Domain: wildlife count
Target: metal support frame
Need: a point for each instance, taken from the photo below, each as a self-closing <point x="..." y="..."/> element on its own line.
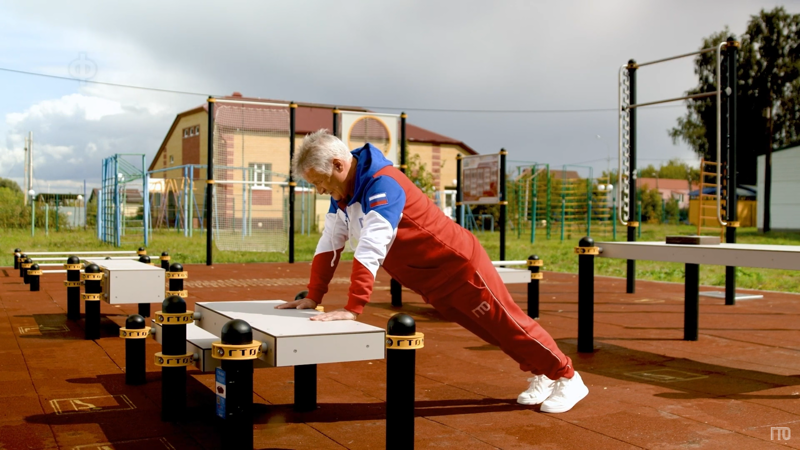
<point x="626" y="194"/>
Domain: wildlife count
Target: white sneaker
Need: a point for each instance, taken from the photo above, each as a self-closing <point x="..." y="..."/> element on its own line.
<point x="566" y="393"/>
<point x="541" y="387"/>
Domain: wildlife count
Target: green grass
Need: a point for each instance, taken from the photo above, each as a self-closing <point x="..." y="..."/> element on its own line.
<point x="557" y="256"/>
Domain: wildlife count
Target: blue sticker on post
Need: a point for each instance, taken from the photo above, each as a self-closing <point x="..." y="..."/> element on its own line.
<point x="220" y="390"/>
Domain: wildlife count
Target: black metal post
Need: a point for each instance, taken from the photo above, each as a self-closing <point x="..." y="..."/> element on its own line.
<point x="144" y="308"/>
<point x="134" y="334"/>
<point x="395" y="288"/>
<point x="534" y="264"/>
<point x="210" y="181"/>
<point x="26" y="265"/>
<point x="305" y="387"/>
<point x="336" y="114"/>
<point x="173" y="356"/>
<point x="586" y="252"/>
<point x="164" y="261"/>
<point x="93" y="293"/>
<point x="176" y="275"/>
<point x="16" y="258"/>
<point x="33" y="277"/>
<point x="238" y="424"/>
<point x="401" y="357"/>
<point x="22" y="258"/>
<point x="73" y="284"/>
<point x="292" y="115"/>
<point x="503" y="204"/>
<point x="458" y="190"/>
<point x="630" y="286"/>
<point x="731" y="204"/>
<point x="691" y="308"/>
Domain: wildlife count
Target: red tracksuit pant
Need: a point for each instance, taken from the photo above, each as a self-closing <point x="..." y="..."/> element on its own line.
<point x="481" y="304"/>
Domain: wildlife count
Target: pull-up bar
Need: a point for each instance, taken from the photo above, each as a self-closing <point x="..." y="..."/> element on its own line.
<point x="699" y="52"/>
<point x="687" y="97"/>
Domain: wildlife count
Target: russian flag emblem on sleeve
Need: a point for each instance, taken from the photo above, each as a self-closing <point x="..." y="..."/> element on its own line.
<point x="378" y="200"/>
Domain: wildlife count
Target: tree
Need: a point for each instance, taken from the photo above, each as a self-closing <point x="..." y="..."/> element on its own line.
<point x="10" y="184"/>
<point x="769" y="78"/>
<point x="417" y="172"/>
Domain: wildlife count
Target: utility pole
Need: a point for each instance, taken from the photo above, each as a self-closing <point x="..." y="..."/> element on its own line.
<point x="768" y="173"/>
<point x="25" y="176"/>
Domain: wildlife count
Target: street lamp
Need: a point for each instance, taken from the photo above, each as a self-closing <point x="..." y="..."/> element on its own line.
<point x="33" y="210"/>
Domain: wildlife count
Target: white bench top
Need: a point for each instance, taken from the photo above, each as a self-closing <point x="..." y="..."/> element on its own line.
<point x="737" y="255"/>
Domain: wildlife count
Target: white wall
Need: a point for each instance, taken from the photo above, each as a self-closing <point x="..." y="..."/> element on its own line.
<point x="785" y="201"/>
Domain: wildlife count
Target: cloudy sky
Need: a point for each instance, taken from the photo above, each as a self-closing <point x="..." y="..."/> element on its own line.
<point x="388" y="55"/>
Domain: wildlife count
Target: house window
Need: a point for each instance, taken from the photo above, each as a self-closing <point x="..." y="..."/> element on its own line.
<point x="171" y="159"/>
<point x="260" y="174"/>
<point x="186" y="133"/>
<point x="197" y="130"/>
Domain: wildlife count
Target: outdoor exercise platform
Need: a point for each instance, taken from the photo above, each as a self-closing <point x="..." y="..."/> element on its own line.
<point x="785" y="257"/>
<point x="289" y="338"/>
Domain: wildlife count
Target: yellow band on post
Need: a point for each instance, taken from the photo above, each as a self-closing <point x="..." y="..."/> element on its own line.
<point x="70" y="284"/>
<point x="292" y="183"/>
<point x="503" y="202"/>
<point x="209" y="181"/>
<point x="163" y="360"/>
<point x="182" y="294"/>
<point x="91" y="297"/>
<point x="129" y="333"/>
<point x="165" y="258"/>
<point x="91" y="276"/>
<point x="633" y="224"/>
<point x="403" y="166"/>
<point x="537" y="276"/>
<point x="174" y="318"/>
<point x="405" y="342"/>
<point x="141" y="252"/>
<point x="587" y="250"/>
<point x="177" y="275"/>
<point x="503" y="152"/>
<point x="236" y="352"/>
<point x="535" y="262"/>
<point x="730" y="225"/>
<point x="34" y="272"/>
<point x="26" y="265"/>
<point x="78" y="266"/>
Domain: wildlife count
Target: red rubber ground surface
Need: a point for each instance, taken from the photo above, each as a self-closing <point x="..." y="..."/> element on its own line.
<point x="648" y="387"/>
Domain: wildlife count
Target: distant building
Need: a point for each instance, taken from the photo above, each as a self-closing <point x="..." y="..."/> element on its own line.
<point x="186" y="143"/>
<point x="784" y="198"/>
<point x="669" y="189"/>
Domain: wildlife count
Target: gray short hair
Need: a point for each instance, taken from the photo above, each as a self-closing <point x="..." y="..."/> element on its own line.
<point x="317" y="152"/>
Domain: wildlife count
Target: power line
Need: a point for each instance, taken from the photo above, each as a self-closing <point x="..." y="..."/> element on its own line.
<point x="448" y="110"/>
<point x="104" y="83"/>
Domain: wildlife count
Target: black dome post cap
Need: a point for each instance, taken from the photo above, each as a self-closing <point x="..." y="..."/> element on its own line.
<point x="164" y="254"/>
<point x="301" y="295"/>
<point x="144" y="259"/>
<point x="141" y="249"/>
<point x="176" y="267"/>
<point x="108" y="257"/>
<point x="16" y="250"/>
<point x="73" y="260"/>
<point x="631" y="61"/>
<point x="236" y="332"/>
<point x="586" y="242"/>
<point x="401" y="325"/>
<point x="533" y="257"/>
<point x="23" y="255"/>
<point x="28" y="260"/>
<point x="134" y="322"/>
<point x="92" y="268"/>
<point x="173" y="305"/>
<point x="34" y="266"/>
